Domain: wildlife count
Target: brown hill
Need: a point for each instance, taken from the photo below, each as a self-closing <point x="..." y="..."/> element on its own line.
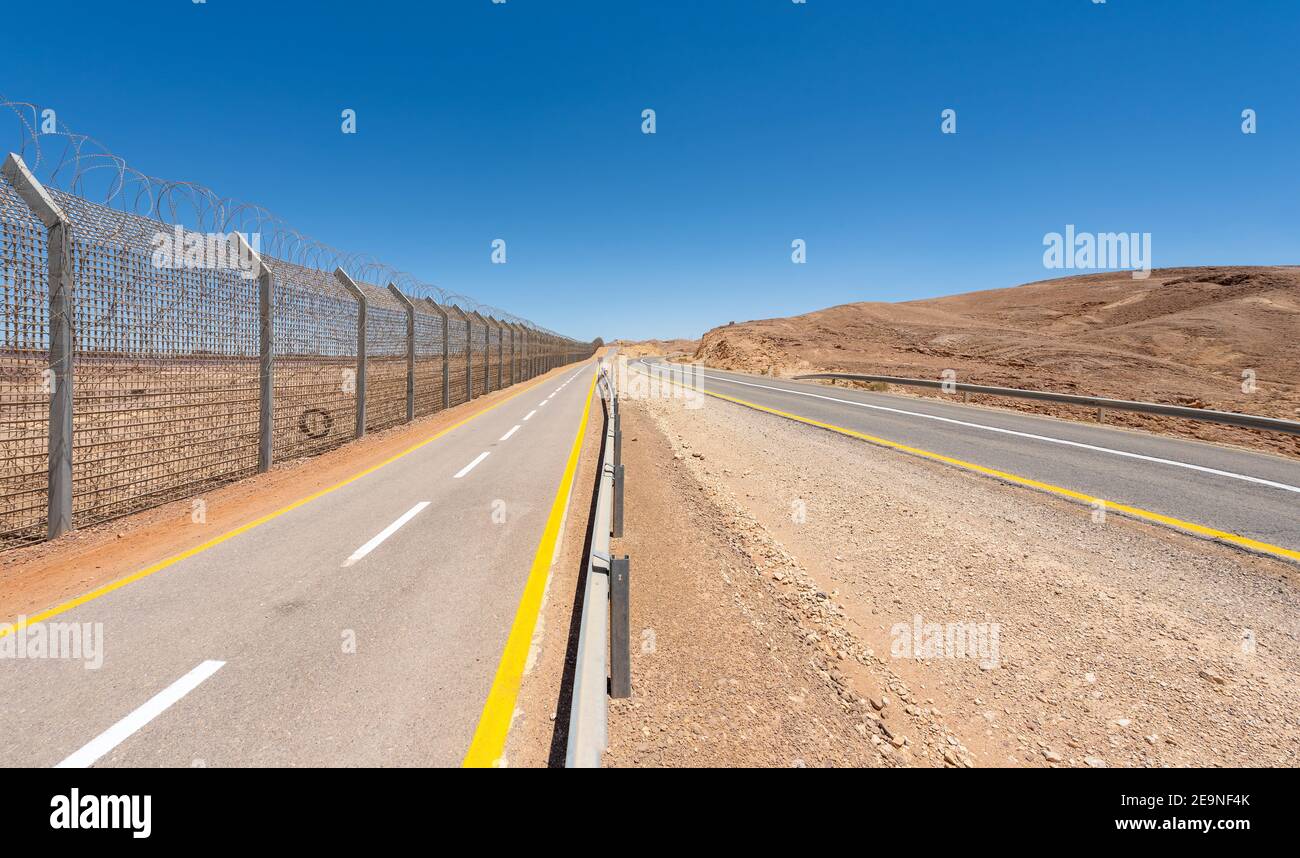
<point x="656" y="348"/>
<point x="1184" y="336"/>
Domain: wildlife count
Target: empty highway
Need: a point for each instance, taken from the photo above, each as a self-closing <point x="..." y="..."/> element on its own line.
<point x="1240" y="497"/>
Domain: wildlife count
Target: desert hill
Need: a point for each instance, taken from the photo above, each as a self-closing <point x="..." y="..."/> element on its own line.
<point x="1184" y="336"/>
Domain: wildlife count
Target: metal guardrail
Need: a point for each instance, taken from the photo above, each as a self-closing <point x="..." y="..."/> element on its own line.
<point x="604" y="625"/>
<point x="1229" y="418"/>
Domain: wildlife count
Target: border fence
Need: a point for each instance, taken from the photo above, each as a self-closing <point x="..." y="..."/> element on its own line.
<point x="125" y="384"/>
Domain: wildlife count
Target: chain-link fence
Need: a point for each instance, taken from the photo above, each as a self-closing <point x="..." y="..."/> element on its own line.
<point x="194" y="361"/>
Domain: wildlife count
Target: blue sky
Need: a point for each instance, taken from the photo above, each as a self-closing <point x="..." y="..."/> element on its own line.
<point x="775" y="121"/>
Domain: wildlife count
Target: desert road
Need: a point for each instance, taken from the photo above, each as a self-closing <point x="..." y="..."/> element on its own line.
<point x="1240" y="497"/>
<point x="363" y="628"/>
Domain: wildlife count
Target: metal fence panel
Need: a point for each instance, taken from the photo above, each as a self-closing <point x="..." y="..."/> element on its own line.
<point x="314" y="337"/>
<point x="165" y="366"/>
<point x="428" y="360"/>
<point x="24" y="357"/>
<point x="459" y="356"/>
<point x="385" y="359"/>
<point x="478" y="345"/>
<point x="494" y="359"/>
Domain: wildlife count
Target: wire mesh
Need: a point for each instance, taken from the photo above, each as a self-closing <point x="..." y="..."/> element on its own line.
<point x="478" y="354"/>
<point x="494" y="357"/>
<point x="165" y="366"/>
<point x="24" y="358"/>
<point x="428" y="360"/>
<point x="385" y="358"/>
<point x="314" y="341"/>
<point x="458" y="347"/>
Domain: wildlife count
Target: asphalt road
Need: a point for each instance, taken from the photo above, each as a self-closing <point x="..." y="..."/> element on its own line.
<point x="249" y="640"/>
<point x="1254" y="495"/>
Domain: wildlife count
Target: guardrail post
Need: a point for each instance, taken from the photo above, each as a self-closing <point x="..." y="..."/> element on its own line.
<point x="351" y="286"/>
<point x="446" y="353"/>
<point x="59" y="378"/>
<point x="410" y="350"/>
<point x="620" y="628"/>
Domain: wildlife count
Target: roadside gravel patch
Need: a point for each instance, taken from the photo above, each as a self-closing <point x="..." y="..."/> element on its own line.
<point x="1118" y="643"/>
<point x="739" y="657"/>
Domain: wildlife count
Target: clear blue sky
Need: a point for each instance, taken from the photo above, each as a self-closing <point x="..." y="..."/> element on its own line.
<point x="776" y="121"/>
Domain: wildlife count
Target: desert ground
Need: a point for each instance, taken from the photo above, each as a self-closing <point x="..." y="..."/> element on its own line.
<point x="767" y="638"/>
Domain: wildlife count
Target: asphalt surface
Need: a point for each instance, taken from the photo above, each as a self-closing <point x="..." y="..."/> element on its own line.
<point x="429" y="610"/>
<point x="1255" y="495"/>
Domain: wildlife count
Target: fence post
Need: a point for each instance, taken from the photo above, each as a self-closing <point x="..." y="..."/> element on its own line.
<point x="351" y="286"/>
<point x="446" y="354"/>
<point x="487" y="352"/>
<point x="265" y="351"/>
<point x="59" y="270"/>
<point x="410" y="350"/>
<point x="501" y="334"/>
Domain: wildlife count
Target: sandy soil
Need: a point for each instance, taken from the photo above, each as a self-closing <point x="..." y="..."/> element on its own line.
<point x="45" y="574"/>
<point x="1199" y="337"/>
<point x="773" y="585"/>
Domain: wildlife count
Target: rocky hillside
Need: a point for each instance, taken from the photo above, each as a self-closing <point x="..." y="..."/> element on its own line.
<point x="1189" y="336"/>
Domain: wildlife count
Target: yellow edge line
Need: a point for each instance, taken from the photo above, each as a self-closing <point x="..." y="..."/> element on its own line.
<point x="489" y="741"/>
<point x="9" y="628"/>
<point x="1135" y="512"/>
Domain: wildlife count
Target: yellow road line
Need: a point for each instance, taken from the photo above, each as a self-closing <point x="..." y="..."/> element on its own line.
<point x="9" y="628"/>
<point x="489" y="741"/>
<point x="1135" y="512"/>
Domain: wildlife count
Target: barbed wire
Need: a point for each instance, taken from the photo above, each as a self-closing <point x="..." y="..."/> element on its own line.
<point x="81" y="165"/>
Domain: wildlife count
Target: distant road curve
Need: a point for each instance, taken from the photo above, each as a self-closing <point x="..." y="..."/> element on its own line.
<point x="1244" y="498"/>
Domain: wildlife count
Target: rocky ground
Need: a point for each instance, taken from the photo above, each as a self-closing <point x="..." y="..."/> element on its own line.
<point x="739" y="657"/>
<point x="767" y="587"/>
